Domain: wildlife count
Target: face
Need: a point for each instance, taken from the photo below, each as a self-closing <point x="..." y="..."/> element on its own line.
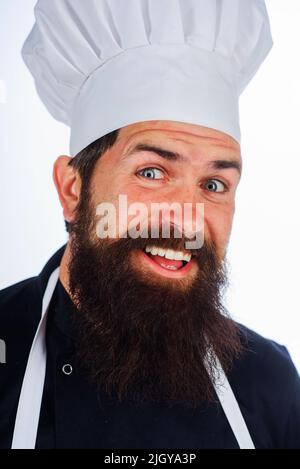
<point x="145" y="321"/>
<point x="206" y="171"/>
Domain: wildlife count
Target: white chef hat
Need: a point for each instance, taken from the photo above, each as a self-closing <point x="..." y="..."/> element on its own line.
<point x="100" y="65"/>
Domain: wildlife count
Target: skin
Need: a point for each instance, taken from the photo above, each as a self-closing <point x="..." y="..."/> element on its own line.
<point x="177" y="181"/>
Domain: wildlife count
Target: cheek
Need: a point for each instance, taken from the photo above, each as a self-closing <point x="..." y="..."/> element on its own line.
<point x="123" y="197"/>
<point x="138" y="204"/>
<point x="218" y="224"/>
<point x="106" y="188"/>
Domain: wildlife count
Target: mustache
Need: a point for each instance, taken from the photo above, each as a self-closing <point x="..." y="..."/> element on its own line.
<point x="172" y="241"/>
<point x="85" y="227"/>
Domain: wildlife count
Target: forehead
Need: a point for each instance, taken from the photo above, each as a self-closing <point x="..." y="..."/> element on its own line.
<point x="190" y="135"/>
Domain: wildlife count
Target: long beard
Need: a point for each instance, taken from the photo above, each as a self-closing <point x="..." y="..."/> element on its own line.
<point x="142" y="338"/>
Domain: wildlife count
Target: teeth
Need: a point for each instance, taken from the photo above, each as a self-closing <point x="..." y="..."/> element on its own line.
<point x="178" y="256"/>
<point x="169" y="253"/>
<point x="187" y="257"/>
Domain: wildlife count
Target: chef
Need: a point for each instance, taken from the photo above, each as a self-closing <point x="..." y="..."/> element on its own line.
<point x="124" y="341"/>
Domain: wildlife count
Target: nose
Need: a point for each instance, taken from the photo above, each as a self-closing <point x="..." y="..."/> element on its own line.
<point x="187" y="218"/>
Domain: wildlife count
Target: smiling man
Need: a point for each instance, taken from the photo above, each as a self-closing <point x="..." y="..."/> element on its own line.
<point x="123" y="341"/>
<point x="164" y="297"/>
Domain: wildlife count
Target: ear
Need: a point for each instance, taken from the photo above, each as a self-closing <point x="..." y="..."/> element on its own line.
<point x="68" y="185"/>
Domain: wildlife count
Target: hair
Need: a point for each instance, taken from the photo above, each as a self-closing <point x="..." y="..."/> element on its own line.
<point x="84" y="162"/>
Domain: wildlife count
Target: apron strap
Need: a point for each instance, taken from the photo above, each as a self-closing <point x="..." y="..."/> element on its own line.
<point x="232" y="410"/>
<point x="28" y="413"/>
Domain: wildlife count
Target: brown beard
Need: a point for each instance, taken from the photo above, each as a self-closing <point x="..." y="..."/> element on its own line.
<point x="144" y="338"/>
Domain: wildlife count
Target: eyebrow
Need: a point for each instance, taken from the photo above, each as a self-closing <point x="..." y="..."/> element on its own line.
<point x="175" y="156"/>
<point x="166" y="154"/>
<point x="226" y="164"/>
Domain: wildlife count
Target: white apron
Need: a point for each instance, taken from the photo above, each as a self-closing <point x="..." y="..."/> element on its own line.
<point x="28" y="413"/>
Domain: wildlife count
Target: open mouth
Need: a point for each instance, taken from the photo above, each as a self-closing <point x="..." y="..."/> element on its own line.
<point x="168" y="262"/>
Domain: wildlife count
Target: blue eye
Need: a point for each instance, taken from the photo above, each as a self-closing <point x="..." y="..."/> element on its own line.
<point x="214" y="185"/>
<point x="150" y="173"/>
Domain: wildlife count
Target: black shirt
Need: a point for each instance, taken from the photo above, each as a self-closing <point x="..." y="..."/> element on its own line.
<point x="73" y="415"/>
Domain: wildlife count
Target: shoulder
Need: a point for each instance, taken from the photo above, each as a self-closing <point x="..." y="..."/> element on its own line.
<point x="20" y="306"/>
<point x="16" y="299"/>
<point x="9" y="293"/>
<point x="267" y="385"/>
<point x="265" y="358"/>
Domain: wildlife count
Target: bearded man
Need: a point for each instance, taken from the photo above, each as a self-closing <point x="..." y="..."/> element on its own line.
<point x="123" y="340"/>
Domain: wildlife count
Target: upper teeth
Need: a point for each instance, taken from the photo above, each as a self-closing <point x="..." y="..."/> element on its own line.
<point x="169" y="253"/>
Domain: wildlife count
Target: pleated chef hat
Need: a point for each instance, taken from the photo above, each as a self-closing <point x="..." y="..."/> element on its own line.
<point x="100" y="65"/>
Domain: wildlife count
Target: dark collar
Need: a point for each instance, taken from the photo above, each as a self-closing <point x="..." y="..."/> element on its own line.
<point x="61" y="305"/>
<point x="51" y="265"/>
<point x="64" y="311"/>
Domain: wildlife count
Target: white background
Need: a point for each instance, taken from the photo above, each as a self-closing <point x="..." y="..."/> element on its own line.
<point x="264" y="251"/>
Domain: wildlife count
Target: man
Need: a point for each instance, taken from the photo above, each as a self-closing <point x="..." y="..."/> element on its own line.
<point x="122" y="341"/>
